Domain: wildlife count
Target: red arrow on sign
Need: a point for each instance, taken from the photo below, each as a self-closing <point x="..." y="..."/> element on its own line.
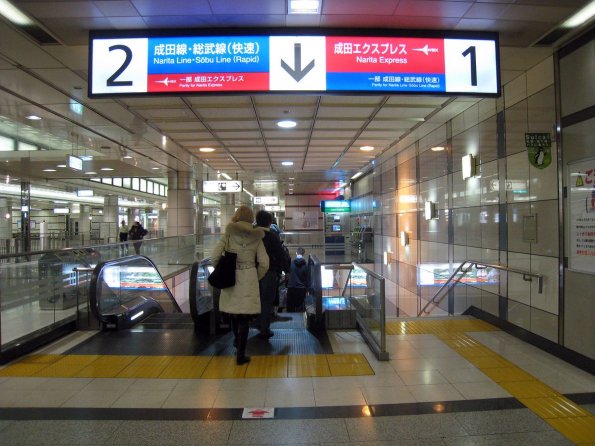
<point x="258" y="413"/>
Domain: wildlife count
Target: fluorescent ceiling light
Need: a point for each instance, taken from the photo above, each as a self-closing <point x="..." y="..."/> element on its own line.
<point x="49" y="170"/>
<point x="357" y="175"/>
<point x="61" y="165"/>
<point x="13" y="14"/>
<point x="206" y="149"/>
<point x="583" y="16"/>
<point x="303" y="6"/>
<point x="287" y="163"/>
<point x="226" y="176"/>
<point x="155" y="168"/>
<point x="437" y="149"/>
<point x="287" y="124"/>
<point x="366" y="148"/>
<point x="32" y="117"/>
<point x="91" y="173"/>
<point x="127" y="157"/>
<point x="106" y="168"/>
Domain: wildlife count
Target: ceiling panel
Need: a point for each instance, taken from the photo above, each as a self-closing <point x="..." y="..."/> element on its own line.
<point x="327" y="125"/>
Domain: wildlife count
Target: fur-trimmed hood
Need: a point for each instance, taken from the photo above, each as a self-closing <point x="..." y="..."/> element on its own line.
<point x="242" y="233"/>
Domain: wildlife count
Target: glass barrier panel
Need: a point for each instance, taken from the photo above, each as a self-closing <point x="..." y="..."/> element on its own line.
<point x="121" y="282"/>
<point x="39" y="293"/>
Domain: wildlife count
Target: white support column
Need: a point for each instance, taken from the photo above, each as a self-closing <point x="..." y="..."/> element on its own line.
<point x="5" y="222"/>
<point x="180" y="205"/>
<point x="109" y="226"/>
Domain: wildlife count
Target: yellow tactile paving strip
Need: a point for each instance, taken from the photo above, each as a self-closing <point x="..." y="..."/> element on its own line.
<point x="188" y="367"/>
<point x="567" y="417"/>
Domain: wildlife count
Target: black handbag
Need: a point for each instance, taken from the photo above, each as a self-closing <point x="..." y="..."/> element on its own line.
<point x="224" y="274"/>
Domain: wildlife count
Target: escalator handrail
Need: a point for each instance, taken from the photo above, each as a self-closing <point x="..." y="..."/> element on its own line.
<point x="94" y="304"/>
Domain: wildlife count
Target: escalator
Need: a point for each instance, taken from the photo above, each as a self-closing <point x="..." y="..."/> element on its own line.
<point x="139" y="315"/>
<point x="128" y="291"/>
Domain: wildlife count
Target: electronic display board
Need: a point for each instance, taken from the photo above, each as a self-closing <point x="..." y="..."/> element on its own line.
<point x="330" y="206"/>
<point x="130" y="63"/>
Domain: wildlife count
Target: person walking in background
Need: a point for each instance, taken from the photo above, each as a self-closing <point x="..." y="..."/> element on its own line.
<point x="123" y="237"/>
<point x="137" y="233"/>
<point x="298" y="282"/>
<point x="269" y="284"/>
<point x="242" y="301"/>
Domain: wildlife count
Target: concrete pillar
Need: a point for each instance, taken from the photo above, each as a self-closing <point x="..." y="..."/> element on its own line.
<point x="109" y="226"/>
<point x="5" y="222"/>
<point x="162" y="221"/>
<point x="228" y="208"/>
<point x="180" y="205"/>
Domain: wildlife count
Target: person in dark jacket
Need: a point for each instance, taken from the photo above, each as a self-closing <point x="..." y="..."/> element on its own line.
<point x="136" y="233"/>
<point x="278" y="263"/>
<point x="298" y="282"/>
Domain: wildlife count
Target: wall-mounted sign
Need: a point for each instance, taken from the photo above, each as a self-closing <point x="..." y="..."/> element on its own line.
<point x="173" y="62"/>
<point x="74" y="162"/>
<point x="581" y="203"/>
<point x="539" y="149"/>
<point x="222" y="186"/>
<point x="335" y="206"/>
<point x="266" y="200"/>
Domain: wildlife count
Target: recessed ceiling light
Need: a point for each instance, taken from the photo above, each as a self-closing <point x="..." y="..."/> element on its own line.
<point x="206" y="149"/>
<point x="303" y="6"/>
<point x="437" y="149"/>
<point x="49" y="170"/>
<point x="14" y="14"/>
<point x="366" y="148"/>
<point x="106" y="168"/>
<point x="287" y="163"/>
<point x="581" y="16"/>
<point x="286" y="124"/>
<point x="33" y="117"/>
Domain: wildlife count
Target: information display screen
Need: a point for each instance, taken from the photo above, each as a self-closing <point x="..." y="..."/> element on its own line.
<point x="133" y="278"/>
<point x="169" y="62"/>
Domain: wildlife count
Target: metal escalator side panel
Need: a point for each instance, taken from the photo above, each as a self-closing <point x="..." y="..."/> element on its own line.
<point x="119" y="287"/>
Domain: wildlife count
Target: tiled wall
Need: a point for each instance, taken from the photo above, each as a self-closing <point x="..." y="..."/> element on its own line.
<point x="577" y="91"/>
<point x="479" y="218"/>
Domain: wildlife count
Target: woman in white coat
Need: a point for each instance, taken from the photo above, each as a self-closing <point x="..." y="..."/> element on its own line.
<point x="242" y="301"/>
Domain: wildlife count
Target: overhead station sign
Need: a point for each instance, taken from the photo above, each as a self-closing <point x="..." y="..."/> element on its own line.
<point x="222" y="186"/>
<point x="125" y="63"/>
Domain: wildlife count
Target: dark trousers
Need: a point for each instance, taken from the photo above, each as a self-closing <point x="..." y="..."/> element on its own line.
<point x="268" y="287"/>
<point x="295" y="299"/>
<point x="123" y="238"/>
<point x="136" y="245"/>
<point x="240" y="326"/>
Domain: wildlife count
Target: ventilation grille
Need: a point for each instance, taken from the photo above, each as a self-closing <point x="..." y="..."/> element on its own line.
<point x="39" y="34"/>
<point x="552" y="37"/>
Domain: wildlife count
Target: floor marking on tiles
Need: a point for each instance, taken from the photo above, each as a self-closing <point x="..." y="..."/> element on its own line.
<point x="188" y="367"/>
<point x="258" y="413"/>
<point x="567" y="417"/>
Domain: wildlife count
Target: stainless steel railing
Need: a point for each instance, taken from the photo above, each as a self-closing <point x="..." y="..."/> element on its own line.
<point x="466" y="267"/>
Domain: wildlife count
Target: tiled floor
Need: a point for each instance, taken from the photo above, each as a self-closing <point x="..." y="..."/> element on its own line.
<point x="428" y="393"/>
